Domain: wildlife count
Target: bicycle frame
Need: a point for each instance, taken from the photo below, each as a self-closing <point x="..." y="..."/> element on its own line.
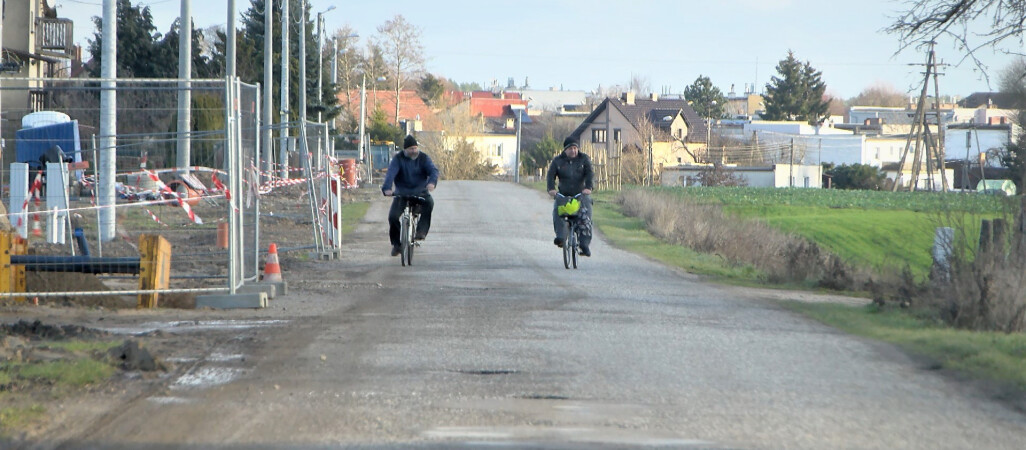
<point x="408" y="227"/>
<point x="570" y="245"/>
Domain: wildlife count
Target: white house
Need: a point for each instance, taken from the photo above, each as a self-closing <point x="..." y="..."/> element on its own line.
<point x="776" y="175"/>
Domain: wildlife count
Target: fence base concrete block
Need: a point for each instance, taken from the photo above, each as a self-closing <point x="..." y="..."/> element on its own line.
<point x="326" y="255"/>
<point x="281" y="287"/>
<point x="270" y="289"/>
<point x="228" y="301"/>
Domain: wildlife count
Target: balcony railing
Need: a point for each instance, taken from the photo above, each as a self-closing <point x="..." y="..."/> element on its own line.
<point x="54" y="36"/>
<point x="39" y="100"/>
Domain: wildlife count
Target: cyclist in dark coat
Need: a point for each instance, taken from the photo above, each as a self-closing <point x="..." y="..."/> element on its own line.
<point x="413" y="173"/>
<point x="575" y="174"/>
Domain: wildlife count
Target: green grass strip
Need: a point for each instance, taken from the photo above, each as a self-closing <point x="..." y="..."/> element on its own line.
<point x="988" y="355"/>
<point x="76" y="373"/>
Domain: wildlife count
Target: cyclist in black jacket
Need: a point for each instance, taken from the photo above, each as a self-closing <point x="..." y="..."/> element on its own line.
<point x="575" y="174"/>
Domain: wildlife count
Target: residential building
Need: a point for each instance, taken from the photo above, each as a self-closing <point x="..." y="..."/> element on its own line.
<point x="744" y="106"/>
<point x="552" y="100"/>
<point x="774" y="175"/>
<point x="494" y="105"/>
<point x="629" y="124"/>
<point x="412" y="110"/>
<point x="36" y="44"/>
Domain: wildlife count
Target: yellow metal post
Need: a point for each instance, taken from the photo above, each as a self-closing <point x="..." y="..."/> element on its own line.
<point x="12" y="277"/>
<point x="154" y="267"/>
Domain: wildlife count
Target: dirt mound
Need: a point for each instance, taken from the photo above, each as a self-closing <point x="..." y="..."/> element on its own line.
<point x="132" y="356"/>
<point x="38" y="330"/>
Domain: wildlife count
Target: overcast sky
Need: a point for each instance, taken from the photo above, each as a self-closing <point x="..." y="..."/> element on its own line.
<point x="582" y="44"/>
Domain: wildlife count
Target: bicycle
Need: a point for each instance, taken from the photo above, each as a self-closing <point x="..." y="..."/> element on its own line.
<point x="408" y="227"/>
<point x="571" y="222"/>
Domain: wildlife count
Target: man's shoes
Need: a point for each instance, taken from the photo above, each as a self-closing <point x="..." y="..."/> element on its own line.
<point x="396" y="249"/>
<point x="584" y="250"/>
<point x="558" y="242"/>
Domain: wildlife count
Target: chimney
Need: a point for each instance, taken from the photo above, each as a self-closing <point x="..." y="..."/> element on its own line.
<point x="628" y="97"/>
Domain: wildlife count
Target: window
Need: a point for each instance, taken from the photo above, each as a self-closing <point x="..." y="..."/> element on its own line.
<point x="680" y="133"/>
<point x="598" y="136"/>
<point x="616" y="135"/>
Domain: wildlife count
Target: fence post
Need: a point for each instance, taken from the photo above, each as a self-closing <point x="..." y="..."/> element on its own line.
<point x="1019" y="235"/>
<point x="943" y="246"/>
<point x="986" y="239"/>
<point x="154" y="267"/>
<point x="1000" y="229"/>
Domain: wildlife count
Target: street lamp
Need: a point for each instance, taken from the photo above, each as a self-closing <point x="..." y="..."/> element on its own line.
<point x="320" y="60"/>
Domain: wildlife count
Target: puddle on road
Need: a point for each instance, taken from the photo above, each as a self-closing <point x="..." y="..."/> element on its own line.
<point x="207" y="377"/>
<point x="169" y="400"/>
<point x="188" y="326"/>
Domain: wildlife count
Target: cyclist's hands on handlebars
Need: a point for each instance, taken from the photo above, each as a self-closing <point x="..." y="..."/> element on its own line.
<point x="552" y="193"/>
<point x="387" y="192"/>
<point x="586" y="192"/>
<point x="431" y="188"/>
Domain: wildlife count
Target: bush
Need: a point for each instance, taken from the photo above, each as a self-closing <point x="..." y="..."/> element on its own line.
<point x="857" y="176"/>
<point x="718" y="175"/>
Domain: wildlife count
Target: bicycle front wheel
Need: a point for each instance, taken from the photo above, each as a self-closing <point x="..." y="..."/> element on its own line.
<point x="573" y="248"/>
<point x="568" y="247"/>
<point x="404" y="239"/>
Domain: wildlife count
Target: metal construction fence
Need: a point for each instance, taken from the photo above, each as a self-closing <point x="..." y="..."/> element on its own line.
<point x="209" y="210"/>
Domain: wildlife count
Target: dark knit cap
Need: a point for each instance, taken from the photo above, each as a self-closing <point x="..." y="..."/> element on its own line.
<point x="410" y="141"/>
<point x="569" y="141"/>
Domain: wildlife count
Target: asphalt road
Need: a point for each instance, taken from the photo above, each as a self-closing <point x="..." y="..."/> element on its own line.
<point x="488" y="341"/>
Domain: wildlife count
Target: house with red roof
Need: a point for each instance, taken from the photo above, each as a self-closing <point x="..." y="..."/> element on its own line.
<point x="411" y="107"/>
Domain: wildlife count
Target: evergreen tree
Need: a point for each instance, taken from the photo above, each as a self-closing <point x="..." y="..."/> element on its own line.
<point x="707" y="100"/>
<point x="135" y="47"/>
<point x="431" y="90"/>
<point x="143" y="53"/>
<point x="797" y="93"/>
<point x="250" y="57"/>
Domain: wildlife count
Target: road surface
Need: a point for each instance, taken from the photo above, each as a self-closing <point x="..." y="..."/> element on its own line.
<point x="488" y="341"/>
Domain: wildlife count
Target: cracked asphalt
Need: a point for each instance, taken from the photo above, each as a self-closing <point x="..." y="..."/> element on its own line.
<point x="488" y="341"/>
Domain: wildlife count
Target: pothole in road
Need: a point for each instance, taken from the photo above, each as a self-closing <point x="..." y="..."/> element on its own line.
<point x="544" y="397"/>
<point x="488" y="372"/>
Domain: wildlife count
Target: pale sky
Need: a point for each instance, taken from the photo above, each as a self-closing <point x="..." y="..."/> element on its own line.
<point x="582" y="44"/>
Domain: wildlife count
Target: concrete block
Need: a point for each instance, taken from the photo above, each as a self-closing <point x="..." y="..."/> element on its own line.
<point x="281" y="287"/>
<point x="270" y="289"/>
<point x="228" y="301"/>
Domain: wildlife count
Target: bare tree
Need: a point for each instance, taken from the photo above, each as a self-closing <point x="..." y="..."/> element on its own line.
<point x="929" y="20"/>
<point x="343" y="47"/>
<point x="640" y="84"/>
<point x="879" y="94"/>
<point x="400" y="42"/>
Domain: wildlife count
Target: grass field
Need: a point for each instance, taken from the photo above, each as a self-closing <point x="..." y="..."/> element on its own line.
<point x="880" y="230"/>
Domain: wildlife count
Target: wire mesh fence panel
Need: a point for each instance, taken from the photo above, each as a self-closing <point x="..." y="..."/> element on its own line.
<point x="151" y="194"/>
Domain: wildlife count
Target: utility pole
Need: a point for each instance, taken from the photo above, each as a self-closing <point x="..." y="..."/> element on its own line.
<point x="108" y="121"/>
<point x="790" y="176"/>
<point x="918" y="122"/>
<point x="283" y="106"/>
<point x="184" y="138"/>
<point x="265" y="132"/>
<point x="334" y="72"/>
<point x="940" y="123"/>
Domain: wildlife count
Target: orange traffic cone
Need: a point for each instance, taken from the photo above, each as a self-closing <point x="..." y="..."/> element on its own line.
<point x="37" y="231"/>
<point x="272" y="271"/>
